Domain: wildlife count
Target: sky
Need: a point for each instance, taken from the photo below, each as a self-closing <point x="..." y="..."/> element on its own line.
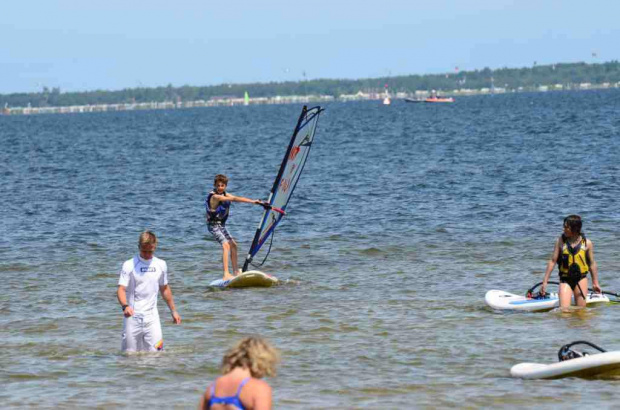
<point x="84" y="45"/>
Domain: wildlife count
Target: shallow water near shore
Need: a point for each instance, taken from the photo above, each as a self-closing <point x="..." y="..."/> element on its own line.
<point x="404" y="217"/>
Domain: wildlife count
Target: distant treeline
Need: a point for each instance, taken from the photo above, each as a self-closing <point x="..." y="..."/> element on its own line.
<point x="566" y="74"/>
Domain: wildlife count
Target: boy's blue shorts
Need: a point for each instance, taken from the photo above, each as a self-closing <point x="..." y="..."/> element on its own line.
<point x="220" y="233"/>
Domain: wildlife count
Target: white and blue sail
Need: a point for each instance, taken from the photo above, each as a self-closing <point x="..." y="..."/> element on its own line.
<point x="290" y="170"/>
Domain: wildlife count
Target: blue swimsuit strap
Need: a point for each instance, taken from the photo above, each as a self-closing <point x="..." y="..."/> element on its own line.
<point x="234" y="400"/>
<point x="243" y="382"/>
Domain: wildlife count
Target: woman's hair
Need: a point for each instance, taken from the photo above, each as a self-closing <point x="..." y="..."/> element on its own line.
<point x="220" y="178"/>
<point x="147" y="237"/>
<point x="253" y="353"/>
<point x="574" y="223"/>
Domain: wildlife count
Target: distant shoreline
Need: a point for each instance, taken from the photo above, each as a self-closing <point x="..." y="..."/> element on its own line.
<point x="295" y="99"/>
<point x="551" y="77"/>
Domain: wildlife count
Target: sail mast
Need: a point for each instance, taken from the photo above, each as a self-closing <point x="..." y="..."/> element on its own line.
<point x="286" y="179"/>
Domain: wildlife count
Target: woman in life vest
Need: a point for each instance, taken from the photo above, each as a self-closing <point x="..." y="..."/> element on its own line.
<point x="574" y="255"/>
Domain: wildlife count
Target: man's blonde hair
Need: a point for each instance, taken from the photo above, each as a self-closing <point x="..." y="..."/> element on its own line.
<point x="147" y="237"/>
<point x="255" y="354"/>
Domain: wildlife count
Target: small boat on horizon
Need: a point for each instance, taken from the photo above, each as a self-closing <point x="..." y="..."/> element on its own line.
<point x="387" y="100"/>
<point x="433" y="98"/>
<point x="430" y="100"/>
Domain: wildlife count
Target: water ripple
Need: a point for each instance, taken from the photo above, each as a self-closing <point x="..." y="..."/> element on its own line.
<point x="404" y="217"/>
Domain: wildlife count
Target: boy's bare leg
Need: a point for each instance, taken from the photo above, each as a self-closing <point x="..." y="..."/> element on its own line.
<point x="225" y="251"/>
<point x="233" y="256"/>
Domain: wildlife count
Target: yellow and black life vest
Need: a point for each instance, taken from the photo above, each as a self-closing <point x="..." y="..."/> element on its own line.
<point x="573" y="261"/>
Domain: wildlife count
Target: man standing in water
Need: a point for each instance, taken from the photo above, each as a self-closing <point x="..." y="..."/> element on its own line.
<point x="140" y="279"/>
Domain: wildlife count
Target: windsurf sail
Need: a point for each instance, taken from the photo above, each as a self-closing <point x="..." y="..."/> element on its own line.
<point x="286" y="180"/>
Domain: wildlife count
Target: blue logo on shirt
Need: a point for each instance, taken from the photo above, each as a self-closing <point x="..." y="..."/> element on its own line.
<point x="149" y="269"/>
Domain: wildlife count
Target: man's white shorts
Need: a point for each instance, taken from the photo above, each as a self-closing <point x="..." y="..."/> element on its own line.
<point x="142" y="333"/>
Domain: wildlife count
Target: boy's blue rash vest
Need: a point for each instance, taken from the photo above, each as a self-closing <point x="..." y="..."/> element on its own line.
<point x="219" y="214"/>
<point x="574" y="256"/>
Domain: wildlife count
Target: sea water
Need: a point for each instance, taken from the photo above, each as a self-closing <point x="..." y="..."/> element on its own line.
<point x="404" y="217"/>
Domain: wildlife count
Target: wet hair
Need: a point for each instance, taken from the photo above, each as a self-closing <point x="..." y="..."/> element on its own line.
<point x="147" y="237"/>
<point x="255" y="354"/>
<point x="574" y="223"/>
<point x="220" y="178"/>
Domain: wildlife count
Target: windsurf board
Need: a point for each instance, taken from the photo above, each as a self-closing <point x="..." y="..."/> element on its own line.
<point x="592" y="366"/>
<point x="249" y="279"/>
<point x="500" y="300"/>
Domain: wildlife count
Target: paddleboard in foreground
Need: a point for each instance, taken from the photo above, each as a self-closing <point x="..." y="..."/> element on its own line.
<point x="275" y="207"/>
<point x="500" y="300"/>
<point x="249" y="279"/>
<point x="573" y="364"/>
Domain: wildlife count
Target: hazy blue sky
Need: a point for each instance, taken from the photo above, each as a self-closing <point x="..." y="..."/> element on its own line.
<point x="93" y="44"/>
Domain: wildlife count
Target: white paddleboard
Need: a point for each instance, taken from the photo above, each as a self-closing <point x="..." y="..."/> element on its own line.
<point x="595" y="366"/>
<point x="498" y="299"/>
<point x="249" y="279"/>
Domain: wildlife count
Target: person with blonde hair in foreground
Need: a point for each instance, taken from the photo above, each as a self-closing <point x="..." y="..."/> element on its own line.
<point x="241" y="386"/>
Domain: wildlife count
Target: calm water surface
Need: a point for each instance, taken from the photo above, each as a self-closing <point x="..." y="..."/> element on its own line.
<point x="405" y="216"/>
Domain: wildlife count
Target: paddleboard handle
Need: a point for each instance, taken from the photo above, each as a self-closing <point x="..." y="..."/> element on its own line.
<point x="530" y="291"/>
<point x="566" y="353"/>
